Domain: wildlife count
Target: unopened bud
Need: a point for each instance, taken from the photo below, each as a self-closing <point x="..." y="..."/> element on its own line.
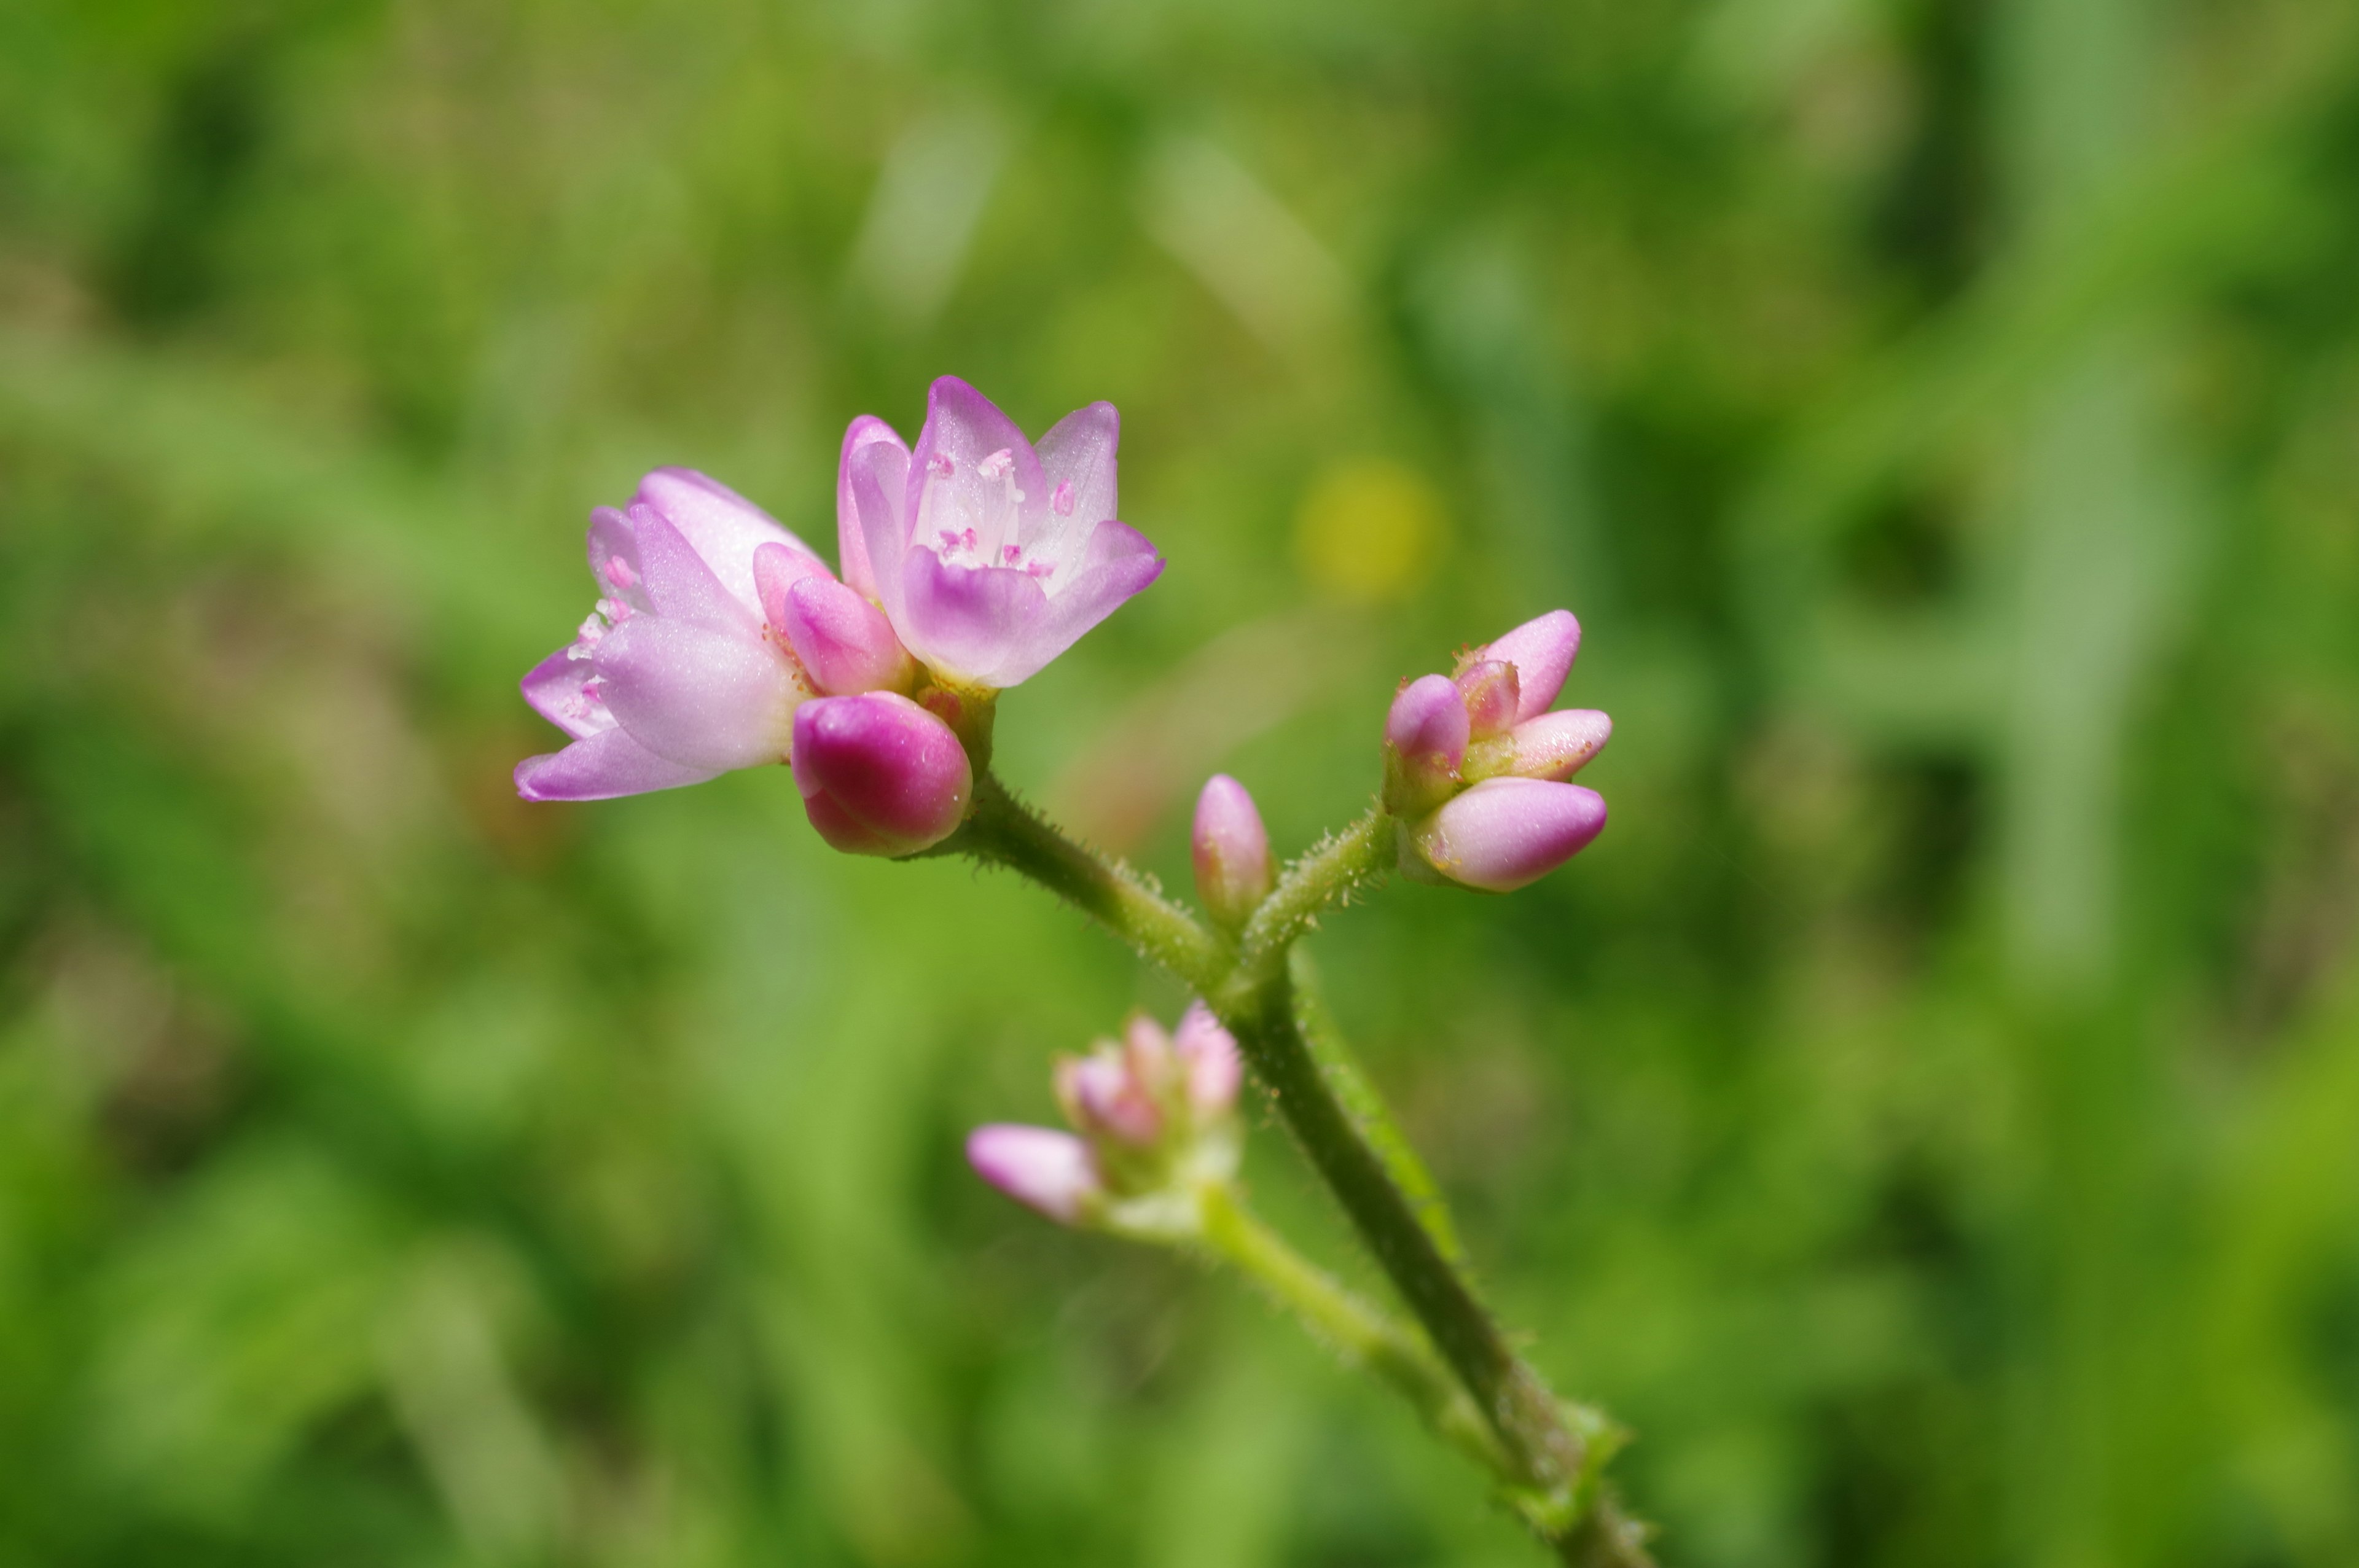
<point x="1489" y="688"/>
<point x="1425" y="741"/>
<point x="1105" y="1095"/>
<point x="1234" y="873"/>
<point x="879" y="774"/>
<point x="1503" y="833"/>
<point x="1208" y="1053"/>
<point x="1541" y="649"/>
<point x="1557" y="745"/>
<point x="1048" y="1171"/>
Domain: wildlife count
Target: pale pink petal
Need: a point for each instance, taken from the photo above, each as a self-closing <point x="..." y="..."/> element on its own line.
<point x="615" y="560"/>
<point x="721" y="526"/>
<point x="846" y="643"/>
<point x="851" y="526"/>
<point x="966" y="620"/>
<point x="1505" y="833"/>
<point x="554" y="687"/>
<point x="681" y="583"/>
<point x="878" y="475"/>
<point x="602" y="766"/>
<point x="1077" y="464"/>
<point x="703" y="697"/>
<point x="967" y="428"/>
<point x="1542" y="650"/>
<point x="1215" y="1067"/>
<point x="1051" y="1171"/>
<point x="1118" y="563"/>
<point x="1556" y="745"/>
<point x="776" y="569"/>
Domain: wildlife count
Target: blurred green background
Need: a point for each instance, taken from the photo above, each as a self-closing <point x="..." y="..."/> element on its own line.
<point x="1929" y="1116"/>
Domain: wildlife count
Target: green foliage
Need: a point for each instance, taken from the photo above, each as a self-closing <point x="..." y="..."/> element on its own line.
<point x="1926" y="1117"/>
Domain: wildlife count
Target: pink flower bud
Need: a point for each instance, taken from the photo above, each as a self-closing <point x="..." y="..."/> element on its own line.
<point x="1105" y="1096"/>
<point x="1556" y="745"/>
<point x="1425" y="740"/>
<point x="879" y="776"/>
<point x="1541" y="649"/>
<point x="1209" y="1054"/>
<point x="1234" y="873"/>
<point x="1047" y="1171"/>
<point x="1490" y="691"/>
<point x="846" y="643"/>
<point x="1505" y="833"/>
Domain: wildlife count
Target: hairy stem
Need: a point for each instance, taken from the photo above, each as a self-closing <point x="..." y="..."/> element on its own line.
<point x="1361" y="1334"/>
<point x="1548" y="1452"/>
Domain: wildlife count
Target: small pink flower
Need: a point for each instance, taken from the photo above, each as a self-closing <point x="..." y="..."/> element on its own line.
<point x="879" y="774"/>
<point x="991" y="556"/>
<point x="1475" y="764"/>
<point x="1234" y="873"/>
<point x="675" y="677"/>
<point x="1155" y="1118"/>
<point x="1048" y="1171"/>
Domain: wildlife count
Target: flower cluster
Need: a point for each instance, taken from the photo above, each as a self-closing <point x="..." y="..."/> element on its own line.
<point x="1155" y="1124"/>
<point x="721" y="640"/>
<point x="1475" y="764"/>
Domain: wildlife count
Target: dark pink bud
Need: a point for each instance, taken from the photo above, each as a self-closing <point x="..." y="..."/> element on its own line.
<point x="1489" y="689"/>
<point x="1234" y="873"/>
<point x="1047" y="1171"/>
<point x="879" y="774"/>
<point x="1541" y="649"/>
<point x="1425" y="741"/>
<point x="1505" y="833"/>
<point x="844" y="642"/>
<point x="1556" y="745"/>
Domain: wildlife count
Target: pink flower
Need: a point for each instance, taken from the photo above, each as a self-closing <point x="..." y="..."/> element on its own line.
<point x="990" y="556"/>
<point x="1156" y="1114"/>
<point x="879" y="774"/>
<point x="1475" y="764"/>
<point x="694" y="660"/>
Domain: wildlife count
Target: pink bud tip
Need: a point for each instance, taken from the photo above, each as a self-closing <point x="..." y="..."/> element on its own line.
<point x="1505" y="833"/>
<point x="1556" y="745"/>
<point x="1541" y="649"/>
<point x="1234" y="873"/>
<point x="879" y="774"/>
<point x="1426" y="733"/>
<point x="1106" y="1097"/>
<point x="846" y="643"/>
<point x="1490" y="691"/>
<point x="1210" y="1054"/>
<point x="1047" y="1171"/>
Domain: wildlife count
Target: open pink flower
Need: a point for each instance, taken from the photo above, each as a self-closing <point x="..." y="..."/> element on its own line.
<point x="687" y="668"/>
<point x="991" y="556"/>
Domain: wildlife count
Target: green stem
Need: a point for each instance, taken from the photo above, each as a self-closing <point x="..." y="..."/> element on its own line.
<point x="1358" y="1332"/>
<point x="1548" y="1452"/>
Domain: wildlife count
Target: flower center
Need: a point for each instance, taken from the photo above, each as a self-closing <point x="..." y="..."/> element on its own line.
<point x="975" y="524"/>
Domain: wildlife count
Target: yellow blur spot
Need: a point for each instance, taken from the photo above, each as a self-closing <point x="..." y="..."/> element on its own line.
<point x="1367" y="529"/>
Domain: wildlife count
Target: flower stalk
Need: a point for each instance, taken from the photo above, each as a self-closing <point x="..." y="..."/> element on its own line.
<point x="1545" y="1453"/>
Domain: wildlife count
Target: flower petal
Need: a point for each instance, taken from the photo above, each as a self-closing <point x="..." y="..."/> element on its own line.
<point x="968" y="622"/>
<point x="851" y="527"/>
<point x="1504" y="833"/>
<point x="614" y="558"/>
<point x="553" y="687"/>
<point x="1542" y="650"/>
<point x="1077" y="464"/>
<point x="679" y="583"/>
<point x="1119" y="561"/>
<point x="721" y="525"/>
<point x="776" y="569"/>
<point x="600" y="768"/>
<point x="703" y="697"/>
<point x="967" y="428"/>
<point x="1051" y="1171"/>
<point x="878" y="475"/>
